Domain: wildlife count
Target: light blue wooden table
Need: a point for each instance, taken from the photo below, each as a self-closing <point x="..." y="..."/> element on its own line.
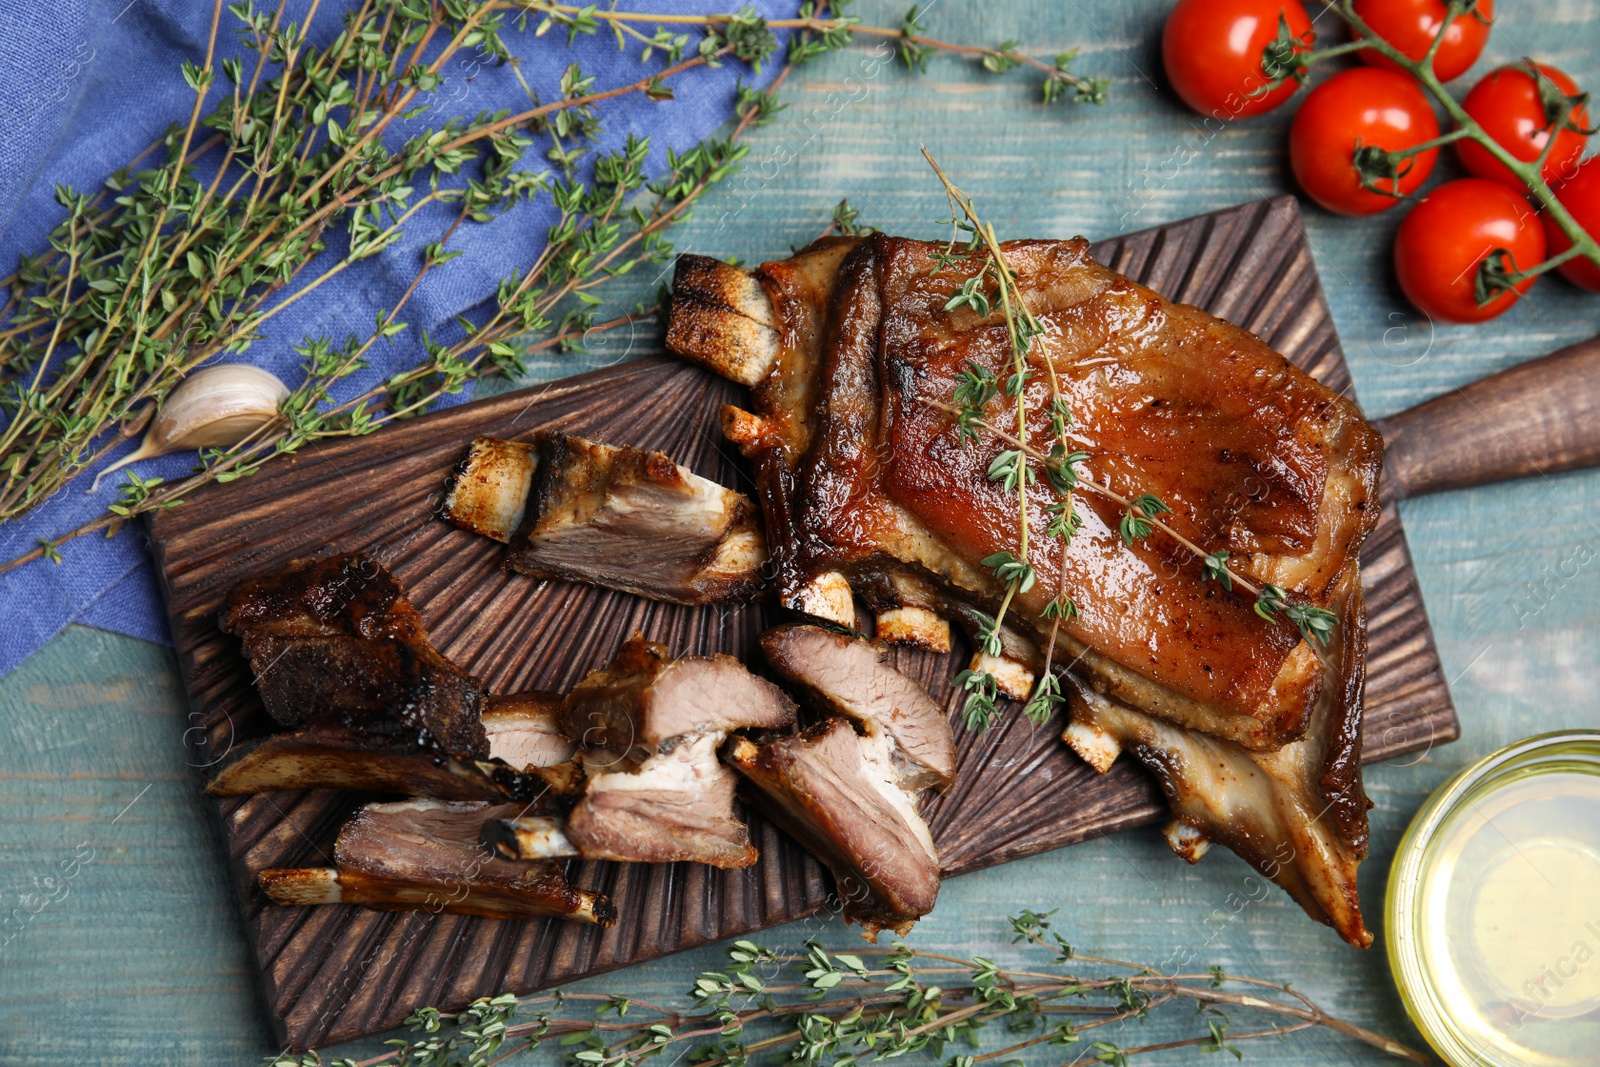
<point x="138" y="958"/>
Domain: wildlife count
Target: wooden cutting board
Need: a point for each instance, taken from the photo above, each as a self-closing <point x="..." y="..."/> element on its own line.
<point x="334" y="973"/>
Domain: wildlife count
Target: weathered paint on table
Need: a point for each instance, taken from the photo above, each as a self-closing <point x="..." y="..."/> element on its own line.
<point x="119" y="942"/>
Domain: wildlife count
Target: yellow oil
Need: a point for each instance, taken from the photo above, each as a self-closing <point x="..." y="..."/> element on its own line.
<point x="1507" y="920"/>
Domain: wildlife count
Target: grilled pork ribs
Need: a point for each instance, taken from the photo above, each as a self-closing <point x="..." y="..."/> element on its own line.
<point x="873" y="500"/>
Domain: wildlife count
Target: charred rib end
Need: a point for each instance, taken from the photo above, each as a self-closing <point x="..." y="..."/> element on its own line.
<point x="915" y="626"/>
<point x="528" y="837"/>
<point x="827" y="596"/>
<point x="490" y="490"/>
<point x="301" y="886"/>
<point x="722" y="319"/>
<point x="1014" y="677"/>
<point x="1189" y="843"/>
<point x="1098" y="748"/>
<point x="748" y="432"/>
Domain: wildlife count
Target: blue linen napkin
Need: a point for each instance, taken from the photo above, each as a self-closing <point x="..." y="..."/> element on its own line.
<point x="85" y="86"/>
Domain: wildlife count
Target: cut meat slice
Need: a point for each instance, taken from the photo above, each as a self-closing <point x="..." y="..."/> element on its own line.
<point x="674" y="807"/>
<point x="649" y="727"/>
<point x="524" y="730"/>
<point x="838" y="793"/>
<point x="1298" y="815"/>
<point x="646" y="698"/>
<point x="850" y="676"/>
<point x="334" y="642"/>
<point x="336" y="758"/>
<point x="424" y="854"/>
<point x="620" y="517"/>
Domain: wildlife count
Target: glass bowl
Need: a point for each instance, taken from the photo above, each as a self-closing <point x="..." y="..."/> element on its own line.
<point x="1493" y="908"/>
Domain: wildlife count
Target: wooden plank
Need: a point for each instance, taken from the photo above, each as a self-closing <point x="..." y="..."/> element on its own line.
<point x="334" y="973"/>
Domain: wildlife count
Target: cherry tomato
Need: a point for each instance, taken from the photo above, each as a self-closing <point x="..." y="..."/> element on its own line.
<point x="1362" y="106"/>
<point x="1411" y="26"/>
<point x="1507" y="104"/>
<point x="1580" y="195"/>
<point x="1440" y="244"/>
<point x="1212" y="52"/>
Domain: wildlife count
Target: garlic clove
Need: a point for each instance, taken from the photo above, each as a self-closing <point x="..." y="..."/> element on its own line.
<point x="214" y="407"/>
<point x="217" y="406"/>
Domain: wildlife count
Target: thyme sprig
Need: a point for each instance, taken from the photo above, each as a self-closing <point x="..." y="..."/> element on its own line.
<point x="994" y="285"/>
<point x="971" y="237"/>
<point x="821" y="29"/>
<point x="1380" y="170"/>
<point x="817" y="1007"/>
<point x="164" y="271"/>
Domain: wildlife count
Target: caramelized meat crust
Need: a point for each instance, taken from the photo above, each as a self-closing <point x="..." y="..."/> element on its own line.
<point x="334" y="642"/>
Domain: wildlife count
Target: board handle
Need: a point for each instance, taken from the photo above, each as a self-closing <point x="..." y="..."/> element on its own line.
<point x="1538" y="417"/>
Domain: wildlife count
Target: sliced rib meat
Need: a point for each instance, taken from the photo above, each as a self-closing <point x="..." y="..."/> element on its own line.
<point x="424" y="854"/>
<point x="616" y="516"/>
<point x="645" y="698"/>
<point x="850" y="676"/>
<point x="330" y="757"/>
<point x="649" y="727"/>
<point x="675" y="806"/>
<point x="839" y="794"/>
<point x="334" y="642"/>
<point x="524" y="730"/>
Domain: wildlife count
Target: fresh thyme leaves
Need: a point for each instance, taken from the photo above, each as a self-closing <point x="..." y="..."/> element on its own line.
<point x="994" y="284"/>
<point x="980" y="709"/>
<point x="1135" y="525"/>
<point x="975" y="388"/>
<point x="192" y="249"/>
<point x="1315" y="624"/>
<point x="1009" y="469"/>
<point x="1216" y="568"/>
<point x="1008" y="568"/>
<point x="1059" y="84"/>
<point x="971" y="238"/>
<point x="972" y="294"/>
<point x="819" y="28"/>
<point x="815" y="1007"/>
<point x="1045" y="699"/>
<point x="180" y="262"/>
<point x="847" y="221"/>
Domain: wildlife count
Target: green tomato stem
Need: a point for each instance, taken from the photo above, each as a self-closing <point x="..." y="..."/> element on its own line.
<point x="1527" y="173"/>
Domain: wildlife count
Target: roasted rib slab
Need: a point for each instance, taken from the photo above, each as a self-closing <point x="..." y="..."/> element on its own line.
<point x="334" y="642"/>
<point x="424" y="854"/>
<point x="620" y="517"/>
<point x="871" y="496"/>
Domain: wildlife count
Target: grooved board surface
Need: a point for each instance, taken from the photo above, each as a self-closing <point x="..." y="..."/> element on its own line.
<point x="332" y="973"/>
